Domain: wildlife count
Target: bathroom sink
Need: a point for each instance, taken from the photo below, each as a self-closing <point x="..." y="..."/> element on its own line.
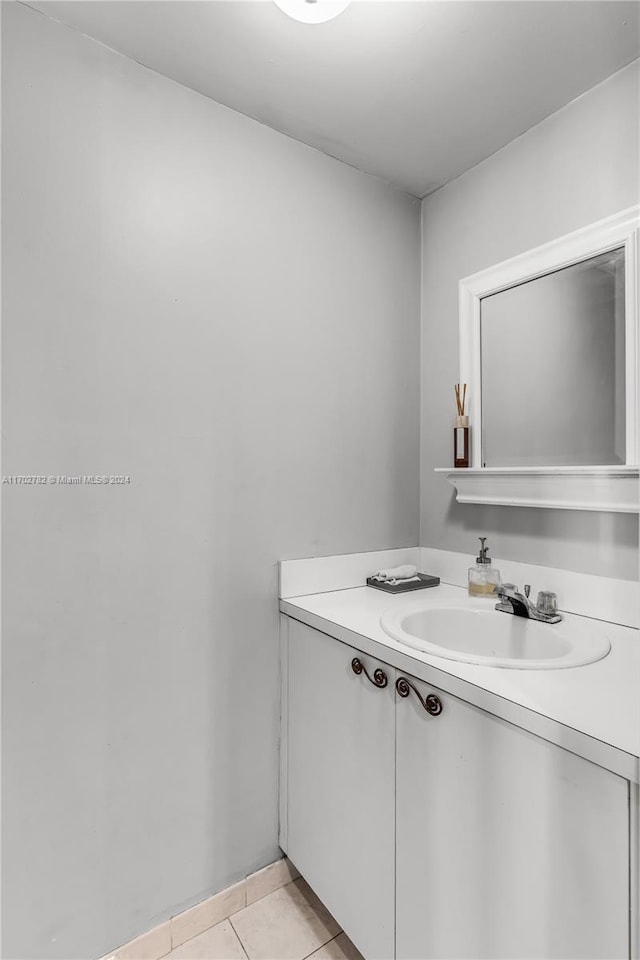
<point x="472" y="631"/>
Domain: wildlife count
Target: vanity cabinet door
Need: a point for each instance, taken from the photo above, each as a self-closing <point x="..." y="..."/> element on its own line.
<point x="340" y="785"/>
<point x="507" y="846"/>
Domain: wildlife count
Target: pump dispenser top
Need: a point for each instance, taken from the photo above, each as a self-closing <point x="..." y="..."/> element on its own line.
<point x="483" y="556"/>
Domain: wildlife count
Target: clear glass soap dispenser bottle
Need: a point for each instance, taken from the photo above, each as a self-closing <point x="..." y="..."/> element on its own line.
<point x="484" y="579"/>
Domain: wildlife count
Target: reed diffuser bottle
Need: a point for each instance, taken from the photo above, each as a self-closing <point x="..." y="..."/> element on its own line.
<point x="461" y="429"/>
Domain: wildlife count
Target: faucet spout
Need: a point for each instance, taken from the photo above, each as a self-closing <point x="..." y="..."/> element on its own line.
<point x="512" y="601"/>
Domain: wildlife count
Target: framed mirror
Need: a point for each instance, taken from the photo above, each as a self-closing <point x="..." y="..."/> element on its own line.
<point x="552" y="371"/>
<point x="549" y="350"/>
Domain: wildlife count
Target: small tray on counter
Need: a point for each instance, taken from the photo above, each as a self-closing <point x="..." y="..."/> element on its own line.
<point x="426" y="580"/>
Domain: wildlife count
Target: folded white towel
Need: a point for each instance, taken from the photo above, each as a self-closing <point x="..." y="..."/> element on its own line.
<point x="405" y="572"/>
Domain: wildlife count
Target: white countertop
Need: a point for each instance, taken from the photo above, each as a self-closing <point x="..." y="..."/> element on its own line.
<point x="592" y="710"/>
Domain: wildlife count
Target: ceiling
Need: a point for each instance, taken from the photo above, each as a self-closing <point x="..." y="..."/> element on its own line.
<point x="412" y="92"/>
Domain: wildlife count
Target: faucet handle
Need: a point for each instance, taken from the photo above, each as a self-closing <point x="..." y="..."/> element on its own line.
<point x="527" y="590"/>
<point x="547" y="602"/>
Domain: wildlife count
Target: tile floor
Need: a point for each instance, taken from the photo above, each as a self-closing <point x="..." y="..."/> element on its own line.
<point x="288" y="924"/>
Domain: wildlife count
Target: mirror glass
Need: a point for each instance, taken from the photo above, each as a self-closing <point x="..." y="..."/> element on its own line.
<point x="553" y="368"/>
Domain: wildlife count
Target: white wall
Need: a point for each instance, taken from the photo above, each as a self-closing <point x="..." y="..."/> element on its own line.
<point x="232" y="319"/>
<point x="578" y="166"/>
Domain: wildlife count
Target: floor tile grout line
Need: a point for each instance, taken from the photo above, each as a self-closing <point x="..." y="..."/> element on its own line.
<point x="308" y="955"/>
<point x="292" y="882"/>
<point x="282" y="886"/>
<point x="238" y="936"/>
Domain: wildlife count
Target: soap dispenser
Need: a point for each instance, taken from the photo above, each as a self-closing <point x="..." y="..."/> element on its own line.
<point x="484" y="579"/>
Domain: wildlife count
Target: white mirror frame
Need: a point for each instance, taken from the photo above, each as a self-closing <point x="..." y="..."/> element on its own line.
<point x="613" y="488"/>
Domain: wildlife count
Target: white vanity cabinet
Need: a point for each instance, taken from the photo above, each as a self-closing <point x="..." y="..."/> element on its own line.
<point x="455" y="835"/>
<point x="340" y="790"/>
<point x="507" y="846"/>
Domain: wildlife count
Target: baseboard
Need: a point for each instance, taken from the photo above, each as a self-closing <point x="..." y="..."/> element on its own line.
<point x="157" y="943"/>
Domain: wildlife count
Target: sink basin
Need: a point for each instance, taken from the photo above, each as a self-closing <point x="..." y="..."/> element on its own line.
<point x="472" y="631"/>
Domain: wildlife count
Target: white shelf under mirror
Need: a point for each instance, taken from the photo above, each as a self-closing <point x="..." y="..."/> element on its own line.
<point x="609" y="489"/>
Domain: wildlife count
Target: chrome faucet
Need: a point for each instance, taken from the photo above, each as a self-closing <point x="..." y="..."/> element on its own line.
<point x="514" y="602"/>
